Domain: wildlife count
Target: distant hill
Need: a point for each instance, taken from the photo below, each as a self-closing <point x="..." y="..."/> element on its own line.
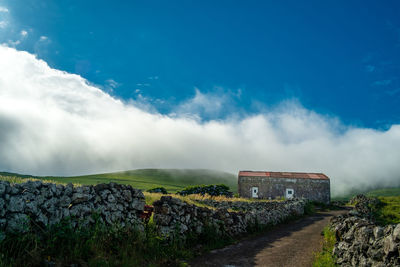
<point x="172" y="179"/>
<point x="379" y="192"/>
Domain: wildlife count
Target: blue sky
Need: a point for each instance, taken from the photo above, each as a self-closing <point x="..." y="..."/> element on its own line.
<point x="101" y="86"/>
<point x="335" y="57"/>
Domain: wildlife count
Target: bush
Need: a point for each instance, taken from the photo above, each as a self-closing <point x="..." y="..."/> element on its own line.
<point x="212" y="190"/>
<point x="309" y="208"/>
<point x="161" y="190"/>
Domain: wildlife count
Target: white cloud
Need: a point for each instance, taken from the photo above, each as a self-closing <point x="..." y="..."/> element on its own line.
<point x="4" y="9"/>
<point x="13" y="43"/>
<point x="55" y="123"/>
<point x="204" y="104"/>
<point x="3" y="24"/>
<point x="382" y="83"/>
<point x="43" y="38"/>
<point x="24" y="33"/>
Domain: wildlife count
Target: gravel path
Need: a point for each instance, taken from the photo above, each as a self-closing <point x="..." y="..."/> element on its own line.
<point x="292" y="244"/>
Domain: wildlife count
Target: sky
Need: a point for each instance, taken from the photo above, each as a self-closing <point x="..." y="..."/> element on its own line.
<point x="92" y="86"/>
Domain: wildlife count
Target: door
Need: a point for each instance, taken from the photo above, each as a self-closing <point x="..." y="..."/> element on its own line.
<point x="289" y="193"/>
<point x="254" y="192"/>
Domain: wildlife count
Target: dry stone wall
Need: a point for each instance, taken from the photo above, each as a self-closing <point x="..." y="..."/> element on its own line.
<point x="46" y="204"/>
<point x="360" y="242"/>
<point x="175" y="216"/>
<point x="43" y="204"/>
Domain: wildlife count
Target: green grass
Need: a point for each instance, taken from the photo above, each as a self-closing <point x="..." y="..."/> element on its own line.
<point x="385" y="192"/>
<point x="18" y="180"/>
<point x="325" y="257"/>
<point x="171" y="179"/>
<point x="388" y="212"/>
<point x="102" y="246"/>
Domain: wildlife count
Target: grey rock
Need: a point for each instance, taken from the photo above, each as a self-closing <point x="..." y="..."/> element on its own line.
<point x="17" y="222"/>
<point x="42" y="219"/>
<point x="378" y="232"/>
<point x="69" y="188"/>
<point x="2" y="207"/>
<point x="389" y="245"/>
<point x="65" y="201"/>
<point x="31" y="207"/>
<point x="79" y="198"/>
<point x="111" y="198"/>
<point x="137" y="204"/>
<point x="17" y="204"/>
<point x="3" y="187"/>
<point x="127" y="195"/>
<point x="104" y="194"/>
<point x="50" y="205"/>
<point x="396" y="232"/>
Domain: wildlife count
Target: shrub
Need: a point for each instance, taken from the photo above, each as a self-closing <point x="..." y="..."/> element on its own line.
<point x="161" y="190"/>
<point x="309" y="208"/>
<point x="212" y="190"/>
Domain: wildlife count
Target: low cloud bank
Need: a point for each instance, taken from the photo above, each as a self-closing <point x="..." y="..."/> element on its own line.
<point x="55" y="123"/>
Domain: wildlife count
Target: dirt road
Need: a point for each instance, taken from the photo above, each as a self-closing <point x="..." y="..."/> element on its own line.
<point x="292" y="244"/>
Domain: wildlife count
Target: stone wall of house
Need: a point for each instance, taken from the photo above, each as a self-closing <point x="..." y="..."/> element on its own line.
<point x="45" y="204"/>
<point x="172" y="215"/>
<point x="360" y="242"/>
<point x="272" y="188"/>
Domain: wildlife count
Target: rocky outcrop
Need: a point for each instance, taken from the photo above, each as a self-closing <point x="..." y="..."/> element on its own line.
<point x="43" y="204"/>
<point x="360" y="242"/>
<point x="175" y="216"/>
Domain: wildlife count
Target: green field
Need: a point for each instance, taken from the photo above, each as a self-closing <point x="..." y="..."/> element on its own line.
<point x="171" y="179"/>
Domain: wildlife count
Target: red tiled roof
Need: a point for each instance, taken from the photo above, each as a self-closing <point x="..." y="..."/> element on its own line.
<point x="292" y="175"/>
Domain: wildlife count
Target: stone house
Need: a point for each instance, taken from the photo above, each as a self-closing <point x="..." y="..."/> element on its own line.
<point x="272" y="185"/>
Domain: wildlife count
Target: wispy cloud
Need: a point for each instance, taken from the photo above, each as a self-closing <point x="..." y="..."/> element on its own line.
<point x="55" y="123"/>
<point x="111" y="84"/>
<point x="369" y="68"/>
<point x="206" y="105"/>
<point x="393" y="92"/>
<point x="4" y="9"/>
<point x="3" y="24"/>
<point x="24" y="33"/>
<point x="382" y="82"/>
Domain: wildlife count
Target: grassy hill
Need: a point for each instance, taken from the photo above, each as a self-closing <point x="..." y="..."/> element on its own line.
<point x="171" y="179"/>
<point x="379" y="192"/>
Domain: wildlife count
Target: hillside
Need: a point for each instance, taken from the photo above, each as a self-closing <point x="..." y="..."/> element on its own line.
<point x="378" y="192"/>
<point x="172" y="179"/>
